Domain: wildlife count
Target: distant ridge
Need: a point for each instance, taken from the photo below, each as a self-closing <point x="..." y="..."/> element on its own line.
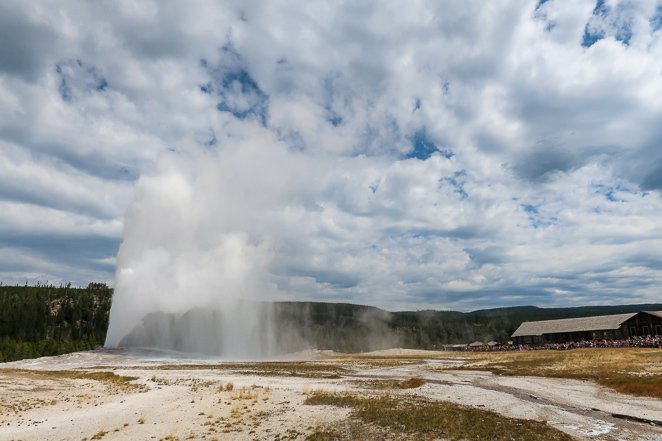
<point x="427" y="329"/>
<point x="48" y="320"/>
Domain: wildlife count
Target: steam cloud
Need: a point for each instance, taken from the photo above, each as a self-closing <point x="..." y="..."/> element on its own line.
<point x="199" y="236"/>
<point x="201" y="257"/>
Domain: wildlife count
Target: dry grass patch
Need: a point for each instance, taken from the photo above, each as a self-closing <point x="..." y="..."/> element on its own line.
<point x="379" y="361"/>
<point x="323" y="435"/>
<point x="427" y="419"/>
<point x="304" y="369"/>
<point x="194" y="383"/>
<point x="246" y="393"/>
<point x="410" y="383"/>
<point x="111" y="379"/>
<point x="289" y="369"/>
<point x="634" y="371"/>
<point x="99" y="435"/>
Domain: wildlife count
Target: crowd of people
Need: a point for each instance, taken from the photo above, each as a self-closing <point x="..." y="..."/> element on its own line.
<point x="648" y="341"/>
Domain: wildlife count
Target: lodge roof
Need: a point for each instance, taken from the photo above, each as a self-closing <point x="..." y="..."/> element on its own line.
<point x="582" y="324"/>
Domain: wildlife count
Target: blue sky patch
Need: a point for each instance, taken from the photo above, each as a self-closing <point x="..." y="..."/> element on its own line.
<point x="457" y="181"/>
<point x="424" y="147"/>
<point x="528" y="208"/>
<point x="591" y="34"/>
<point x="624" y="33"/>
<point x="333" y="117"/>
<point x="537" y="219"/>
<point x="656" y="20"/>
<point x="610" y="192"/>
<point x="601" y="8"/>
<point x="206" y="138"/>
<point x="76" y="77"/>
<point x="239" y="93"/>
<point x="609" y="22"/>
<point x="242" y="97"/>
<point x="591" y="37"/>
<point x="542" y="16"/>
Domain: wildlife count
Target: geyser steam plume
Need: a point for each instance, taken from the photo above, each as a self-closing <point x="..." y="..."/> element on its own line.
<point x="198" y="247"/>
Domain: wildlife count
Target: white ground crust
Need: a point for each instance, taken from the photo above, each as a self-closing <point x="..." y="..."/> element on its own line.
<point x="186" y="403"/>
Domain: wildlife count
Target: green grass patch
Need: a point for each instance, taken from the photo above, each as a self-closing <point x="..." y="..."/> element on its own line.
<point x="427" y="419"/>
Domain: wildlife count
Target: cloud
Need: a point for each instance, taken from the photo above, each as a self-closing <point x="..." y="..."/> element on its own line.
<point x="76" y="78"/>
<point x="653" y="179"/>
<point x="436" y="156"/>
<point x="27" y="41"/>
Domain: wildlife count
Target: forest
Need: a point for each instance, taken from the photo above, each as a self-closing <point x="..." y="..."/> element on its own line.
<point x="42" y="320"/>
<point x="46" y="320"/>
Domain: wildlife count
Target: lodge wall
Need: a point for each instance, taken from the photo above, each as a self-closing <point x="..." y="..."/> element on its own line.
<point x="642" y="324"/>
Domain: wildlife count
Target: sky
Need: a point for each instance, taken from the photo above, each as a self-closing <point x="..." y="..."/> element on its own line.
<point x="407" y="155"/>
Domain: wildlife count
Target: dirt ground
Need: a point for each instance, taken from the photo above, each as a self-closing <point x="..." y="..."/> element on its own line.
<point x="69" y="398"/>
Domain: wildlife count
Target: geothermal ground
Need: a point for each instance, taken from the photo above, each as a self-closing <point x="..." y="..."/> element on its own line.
<point x="396" y="394"/>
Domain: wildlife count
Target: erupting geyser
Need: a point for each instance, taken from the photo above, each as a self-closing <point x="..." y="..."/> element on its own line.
<point x="199" y="239"/>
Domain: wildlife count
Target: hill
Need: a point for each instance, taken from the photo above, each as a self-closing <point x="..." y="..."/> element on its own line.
<point x="333" y="326"/>
<point x="47" y="320"/>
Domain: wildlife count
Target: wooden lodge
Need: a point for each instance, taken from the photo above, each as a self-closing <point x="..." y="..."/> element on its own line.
<point x="617" y="326"/>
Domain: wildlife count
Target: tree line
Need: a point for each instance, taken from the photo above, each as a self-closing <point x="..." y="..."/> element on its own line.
<point x="44" y="319"/>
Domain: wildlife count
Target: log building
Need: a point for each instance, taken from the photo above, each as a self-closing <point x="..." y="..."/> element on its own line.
<point x="616" y="326"/>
